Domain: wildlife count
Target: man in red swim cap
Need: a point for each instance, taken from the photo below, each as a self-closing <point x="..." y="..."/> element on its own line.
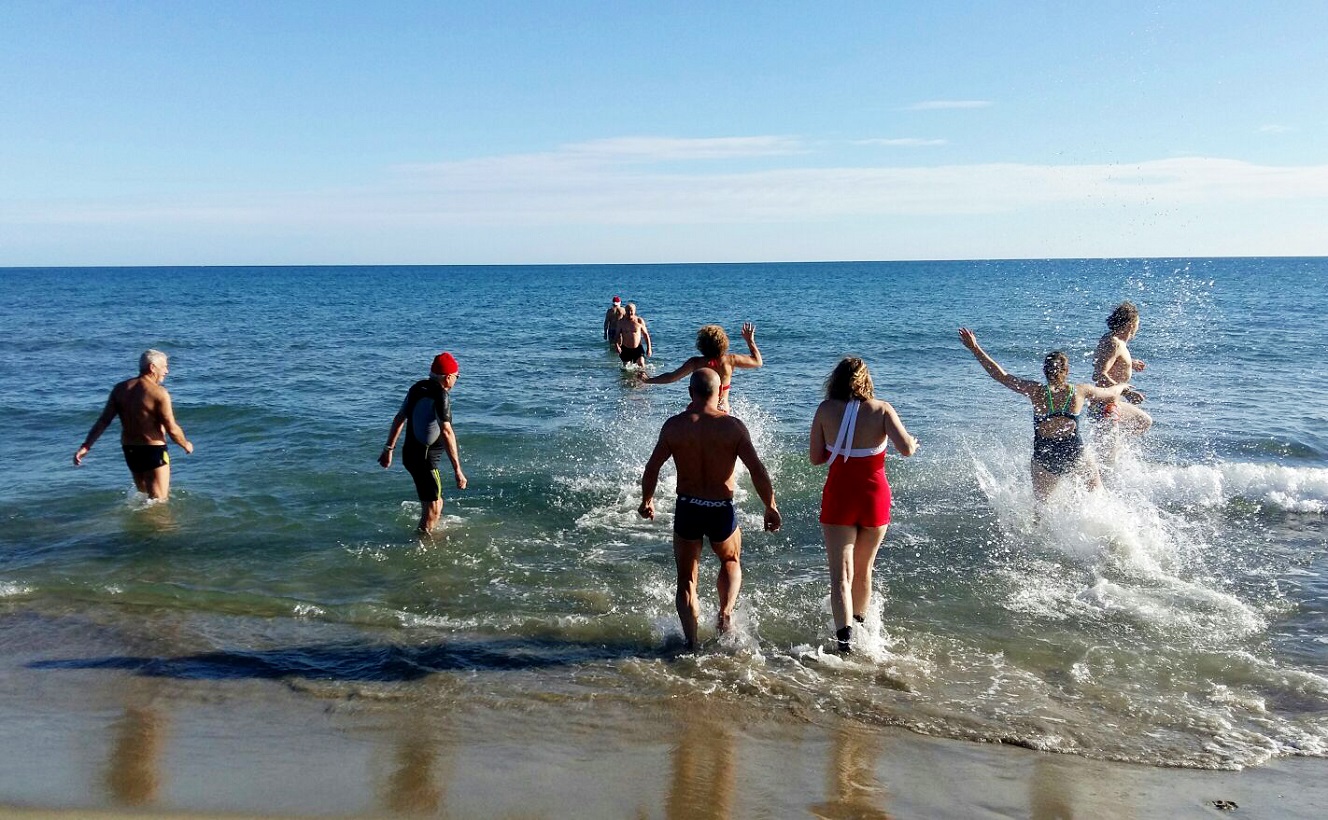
<point x="426" y="414"/>
<point x="611" y="317"/>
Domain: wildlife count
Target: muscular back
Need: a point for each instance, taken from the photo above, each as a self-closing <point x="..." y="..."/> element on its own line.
<point x="144" y="411"/>
<point x="705" y="447"/>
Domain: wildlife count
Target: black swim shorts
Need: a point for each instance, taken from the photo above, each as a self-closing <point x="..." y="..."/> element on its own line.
<point x="694" y="518"/>
<point x="428" y="483"/>
<point x="631" y="354"/>
<point x="144" y="458"/>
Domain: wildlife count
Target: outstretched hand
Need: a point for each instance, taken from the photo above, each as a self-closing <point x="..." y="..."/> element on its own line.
<point x="749" y="332"/>
<point x="969" y="338"/>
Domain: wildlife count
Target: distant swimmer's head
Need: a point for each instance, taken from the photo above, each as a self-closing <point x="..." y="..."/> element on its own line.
<point x="704" y="383"/>
<point x="152" y="359"/>
<point x="1122" y="317"/>
<point x="850" y="380"/>
<point x="1056" y="367"/>
<point x="712" y="341"/>
<point x="444" y="366"/>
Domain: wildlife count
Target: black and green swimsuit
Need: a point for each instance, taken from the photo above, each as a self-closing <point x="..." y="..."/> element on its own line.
<point x="1057" y="455"/>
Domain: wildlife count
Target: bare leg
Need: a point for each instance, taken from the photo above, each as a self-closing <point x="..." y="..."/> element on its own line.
<point x="1043" y="481"/>
<point x="687" y="556"/>
<point x="730" y="577"/>
<point x="1132" y="420"/>
<point x="154" y="483"/>
<point x="864" y="556"/>
<point x="839" y="542"/>
<point x="430" y="514"/>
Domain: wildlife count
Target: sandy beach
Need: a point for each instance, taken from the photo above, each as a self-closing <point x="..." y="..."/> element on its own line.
<point x="97" y="741"/>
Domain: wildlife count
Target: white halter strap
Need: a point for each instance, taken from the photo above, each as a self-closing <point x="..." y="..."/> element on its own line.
<point x="843" y="445"/>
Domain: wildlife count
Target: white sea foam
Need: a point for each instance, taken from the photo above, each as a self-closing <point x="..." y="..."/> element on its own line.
<point x="11" y="590"/>
<point x="1293" y="489"/>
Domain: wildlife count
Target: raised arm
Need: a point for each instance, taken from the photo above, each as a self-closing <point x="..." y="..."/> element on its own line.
<point x="1018" y="385"/>
<point x="650" y="478"/>
<point x="103" y="421"/>
<point x="744" y="361"/>
<point x="760" y="480"/>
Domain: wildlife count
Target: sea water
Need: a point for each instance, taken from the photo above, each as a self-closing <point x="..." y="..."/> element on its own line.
<point x="1178" y="617"/>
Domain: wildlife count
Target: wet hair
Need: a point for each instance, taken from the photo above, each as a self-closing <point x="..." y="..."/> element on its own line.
<point x="149" y="359"/>
<point x="704" y="383"/>
<point x="1056" y="361"/>
<point x="849" y="380"/>
<point x="1124" y="314"/>
<point x="712" y="341"/>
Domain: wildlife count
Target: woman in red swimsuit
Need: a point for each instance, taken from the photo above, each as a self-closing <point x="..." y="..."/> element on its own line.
<point x="713" y="343"/>
<point x="850" y="431"/>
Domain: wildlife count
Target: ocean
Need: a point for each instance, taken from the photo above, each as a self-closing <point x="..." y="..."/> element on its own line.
<point x="1177" y="618"/>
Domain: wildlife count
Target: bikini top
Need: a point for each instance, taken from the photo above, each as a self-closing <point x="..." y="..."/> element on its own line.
<point x="843" y="441"/>
<point x="1063" y="413"/>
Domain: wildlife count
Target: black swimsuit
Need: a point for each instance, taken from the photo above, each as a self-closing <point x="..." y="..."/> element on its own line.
<point x="1057" y="455"/>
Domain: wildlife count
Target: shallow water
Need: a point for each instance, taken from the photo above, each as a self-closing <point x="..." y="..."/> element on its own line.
<point x="1177" y="618"/>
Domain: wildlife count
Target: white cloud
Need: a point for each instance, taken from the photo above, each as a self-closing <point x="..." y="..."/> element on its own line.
<point x="941" y="105"/>
<point x="902" y="142"/>
<point x="630" y="182"/>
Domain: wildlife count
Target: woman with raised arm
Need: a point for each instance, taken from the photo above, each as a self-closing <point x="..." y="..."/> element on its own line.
<point x="855" y="504"/>
<point x="1058" y="449"/>
<point x="713" y="343"/>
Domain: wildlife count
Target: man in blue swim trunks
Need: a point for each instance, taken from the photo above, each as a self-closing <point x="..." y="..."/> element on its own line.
<point x="146" y="419"/>
<point x="426" y="415"/>
<point x="705" y="444"/>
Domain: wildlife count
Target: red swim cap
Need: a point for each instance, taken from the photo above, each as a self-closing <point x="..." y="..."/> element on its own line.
<point x="445" y="364"/>
<point x="617" y="299"/>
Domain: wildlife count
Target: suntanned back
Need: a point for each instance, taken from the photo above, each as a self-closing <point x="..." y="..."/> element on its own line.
<point x="704" y="444"/>
<point x="140" y="403"/>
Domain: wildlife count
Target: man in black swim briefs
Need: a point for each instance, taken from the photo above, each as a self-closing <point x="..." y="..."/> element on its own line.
<point x="633" y="339"/>
<point x="146" y="419"/>
<point x="705" y="444"/>
<point x="426" y="415"/>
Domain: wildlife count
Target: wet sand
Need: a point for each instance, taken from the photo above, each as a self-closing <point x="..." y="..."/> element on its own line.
<point x="107" y="741"/>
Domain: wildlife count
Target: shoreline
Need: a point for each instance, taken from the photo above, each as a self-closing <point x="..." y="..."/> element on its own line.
<point x="115" y="743"/>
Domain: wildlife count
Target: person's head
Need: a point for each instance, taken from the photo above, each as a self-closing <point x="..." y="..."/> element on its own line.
<point x="849" y="380"/>
<point x="617" y="301"/>
<point x="1056" y="367"/>
<point x="154" y="362"/>
<point x="445" y="369"/>
<point x="704" y="385"/>
<point x="1124" y="319"/>
<point x="712" y="341"/>
<point x="631" y="308"/>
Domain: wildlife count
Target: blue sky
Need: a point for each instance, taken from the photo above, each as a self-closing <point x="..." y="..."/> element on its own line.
<point x="152" y="133"/>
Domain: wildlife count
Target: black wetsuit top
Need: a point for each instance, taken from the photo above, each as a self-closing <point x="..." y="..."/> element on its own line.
<point x="427" y="408"/>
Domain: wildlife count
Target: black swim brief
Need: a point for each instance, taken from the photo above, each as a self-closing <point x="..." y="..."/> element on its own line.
<point x="631" y="354"/>
<point x="428" y="482"/>
<point x="694" y="518"/>
<point x="144" y="458"/>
